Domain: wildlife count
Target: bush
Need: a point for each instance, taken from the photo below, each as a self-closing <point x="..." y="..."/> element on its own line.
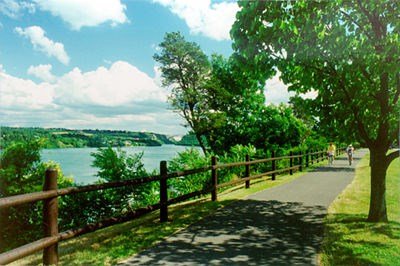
<point x="186" y="160"/>
<point x="21" y="171"/>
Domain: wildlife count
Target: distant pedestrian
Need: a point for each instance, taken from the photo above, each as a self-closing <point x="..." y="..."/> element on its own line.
<point x="350" y="152"/>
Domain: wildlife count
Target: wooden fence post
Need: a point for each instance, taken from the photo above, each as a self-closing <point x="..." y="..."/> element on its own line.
<point x="50" y="217"/>
<point x="273" y="165"/>
<point x="291" y="163"/>
<point x="312" y="157"/>
<point x="214" y="179"/>
<point x="307" y="158"/>
<point x="247" y="174"/>
<point x="163" y="192"/>
<point x="301" y="161"/>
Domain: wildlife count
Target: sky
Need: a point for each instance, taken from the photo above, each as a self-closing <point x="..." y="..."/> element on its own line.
<point x="88" y="64"/>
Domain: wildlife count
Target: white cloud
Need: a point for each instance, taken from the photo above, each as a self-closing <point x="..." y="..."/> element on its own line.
<point x="24" y="95"/>
<point x="275" y="91"/>
<point x="42" y="72"/>
<point x="118" y="85"/>
<point x="309" y="95"/>
<point x="202" y="17"/>
<point x="117" y="97"/>
<point x="43" y="44"/>
<point x="86" y="13"/>
<point x="13" y="9"/>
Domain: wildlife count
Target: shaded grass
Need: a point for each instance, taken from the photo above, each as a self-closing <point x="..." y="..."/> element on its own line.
<point x="349" y="239"/>
<point x="111" y="245"/>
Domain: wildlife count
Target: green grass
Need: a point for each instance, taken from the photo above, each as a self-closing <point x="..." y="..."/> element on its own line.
<point x="111" y="245"/>
<point x="349" y="239"/>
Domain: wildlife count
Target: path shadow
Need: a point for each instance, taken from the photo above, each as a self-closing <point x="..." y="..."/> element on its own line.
<point x="246" y="232"/>
<point x="334" y="168"/>
<point x="339" y="165"/>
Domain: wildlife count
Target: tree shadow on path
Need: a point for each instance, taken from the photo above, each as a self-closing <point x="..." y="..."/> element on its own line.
<point x="246" y="232"/>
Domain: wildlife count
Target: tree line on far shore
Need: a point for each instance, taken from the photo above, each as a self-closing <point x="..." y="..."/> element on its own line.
<point x="70" y="138"/>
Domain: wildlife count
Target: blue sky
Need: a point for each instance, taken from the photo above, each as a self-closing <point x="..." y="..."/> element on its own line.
<point x="89" y="63"/>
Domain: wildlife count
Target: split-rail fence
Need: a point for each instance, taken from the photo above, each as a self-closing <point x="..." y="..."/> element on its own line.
<point x="50" y="194"/>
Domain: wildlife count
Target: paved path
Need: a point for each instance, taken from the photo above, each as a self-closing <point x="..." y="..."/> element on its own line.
<point x="278" y="226"/>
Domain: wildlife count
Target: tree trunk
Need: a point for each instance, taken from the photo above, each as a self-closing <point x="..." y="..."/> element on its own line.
<point x="201" y="142"/>
<point x="377" y="206"/>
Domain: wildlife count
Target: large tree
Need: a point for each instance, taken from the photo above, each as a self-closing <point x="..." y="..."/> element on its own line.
<point x="184" y="68"/>
<point x="349" y="53"/>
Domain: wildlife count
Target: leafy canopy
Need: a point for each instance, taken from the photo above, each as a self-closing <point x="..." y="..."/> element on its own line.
<point x="347" y="51"/>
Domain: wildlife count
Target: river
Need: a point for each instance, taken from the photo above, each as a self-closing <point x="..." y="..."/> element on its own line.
<point x="77" y="162"/>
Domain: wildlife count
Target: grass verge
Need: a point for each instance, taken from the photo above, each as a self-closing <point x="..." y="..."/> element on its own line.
<point x="114" y="244"/>
<point x="349" y="239"/>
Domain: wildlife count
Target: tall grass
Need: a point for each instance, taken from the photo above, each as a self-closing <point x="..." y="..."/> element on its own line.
<point x="349" y="239"/>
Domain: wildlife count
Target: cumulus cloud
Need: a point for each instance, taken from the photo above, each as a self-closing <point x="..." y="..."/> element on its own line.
<point x="20" y="94"/>
<point x="14" y="9"/>
<point x="202" y="17"/>
<point x="41" y="43"/>
<point x="276" y="91"/>
<point x="116" y="97"/>
<point x="118" y="85"/>
<point x="86" y="13"/>
<point x="43" y="72"/>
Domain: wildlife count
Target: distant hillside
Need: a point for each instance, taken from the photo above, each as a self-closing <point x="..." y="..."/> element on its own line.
<point x="189" y="140"/>
<point x="67" y="138"/>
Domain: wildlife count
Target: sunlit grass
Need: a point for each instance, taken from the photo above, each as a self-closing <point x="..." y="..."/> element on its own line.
<point x="349" y="239"/>
<point x="111" y="245"/>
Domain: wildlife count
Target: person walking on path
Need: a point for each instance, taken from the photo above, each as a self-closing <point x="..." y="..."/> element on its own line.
<point x="282" y="225"/>
<point x="350" y="152"/>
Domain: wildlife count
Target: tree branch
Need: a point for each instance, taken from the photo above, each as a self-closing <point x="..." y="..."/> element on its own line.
<point x="360" y="124"/>
<point x="392" y="156"/>
<point x="376" y="24"/>
<point x="356" y="23"/>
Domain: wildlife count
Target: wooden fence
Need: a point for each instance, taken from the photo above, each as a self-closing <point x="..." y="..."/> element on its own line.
<point x="50" y="194"/>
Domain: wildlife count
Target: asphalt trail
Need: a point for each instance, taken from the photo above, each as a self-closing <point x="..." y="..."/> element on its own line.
<point x="278" y="226"/>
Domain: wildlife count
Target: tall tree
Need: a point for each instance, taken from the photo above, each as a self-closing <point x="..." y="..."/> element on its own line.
<point x="236" y="102"/>
<point x="347" y="51"/>
<point x="185" y="67"/>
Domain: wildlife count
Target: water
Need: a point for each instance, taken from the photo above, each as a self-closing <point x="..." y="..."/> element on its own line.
<point x="77" y="162"/>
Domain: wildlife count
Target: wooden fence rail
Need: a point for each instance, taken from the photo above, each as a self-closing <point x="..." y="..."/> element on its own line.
<point x="50" y="194"/>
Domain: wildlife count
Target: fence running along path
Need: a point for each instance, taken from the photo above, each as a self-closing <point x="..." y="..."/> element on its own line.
<point x="50" y="194"/>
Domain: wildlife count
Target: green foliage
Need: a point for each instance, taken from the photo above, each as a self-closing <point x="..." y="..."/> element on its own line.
<point x="348" y="52"/>
<point x="237" y="153"/>
<point x="234" y="103"/>
<point x="321" y="46"/>
<point x="17" y="163"/>
<point x="115" y="164"/>
<point x="21" y="171"/>
<point x="223" y="104"/>
<point x="185" y="67"/>
<point x="186" y="160"/>
<point x="188" y="140"/>
<point x="67" y="138"/>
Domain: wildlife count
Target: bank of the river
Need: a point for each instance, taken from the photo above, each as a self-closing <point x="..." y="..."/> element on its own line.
<point x="77" y="162"/>
<point x="73" y="138"/>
